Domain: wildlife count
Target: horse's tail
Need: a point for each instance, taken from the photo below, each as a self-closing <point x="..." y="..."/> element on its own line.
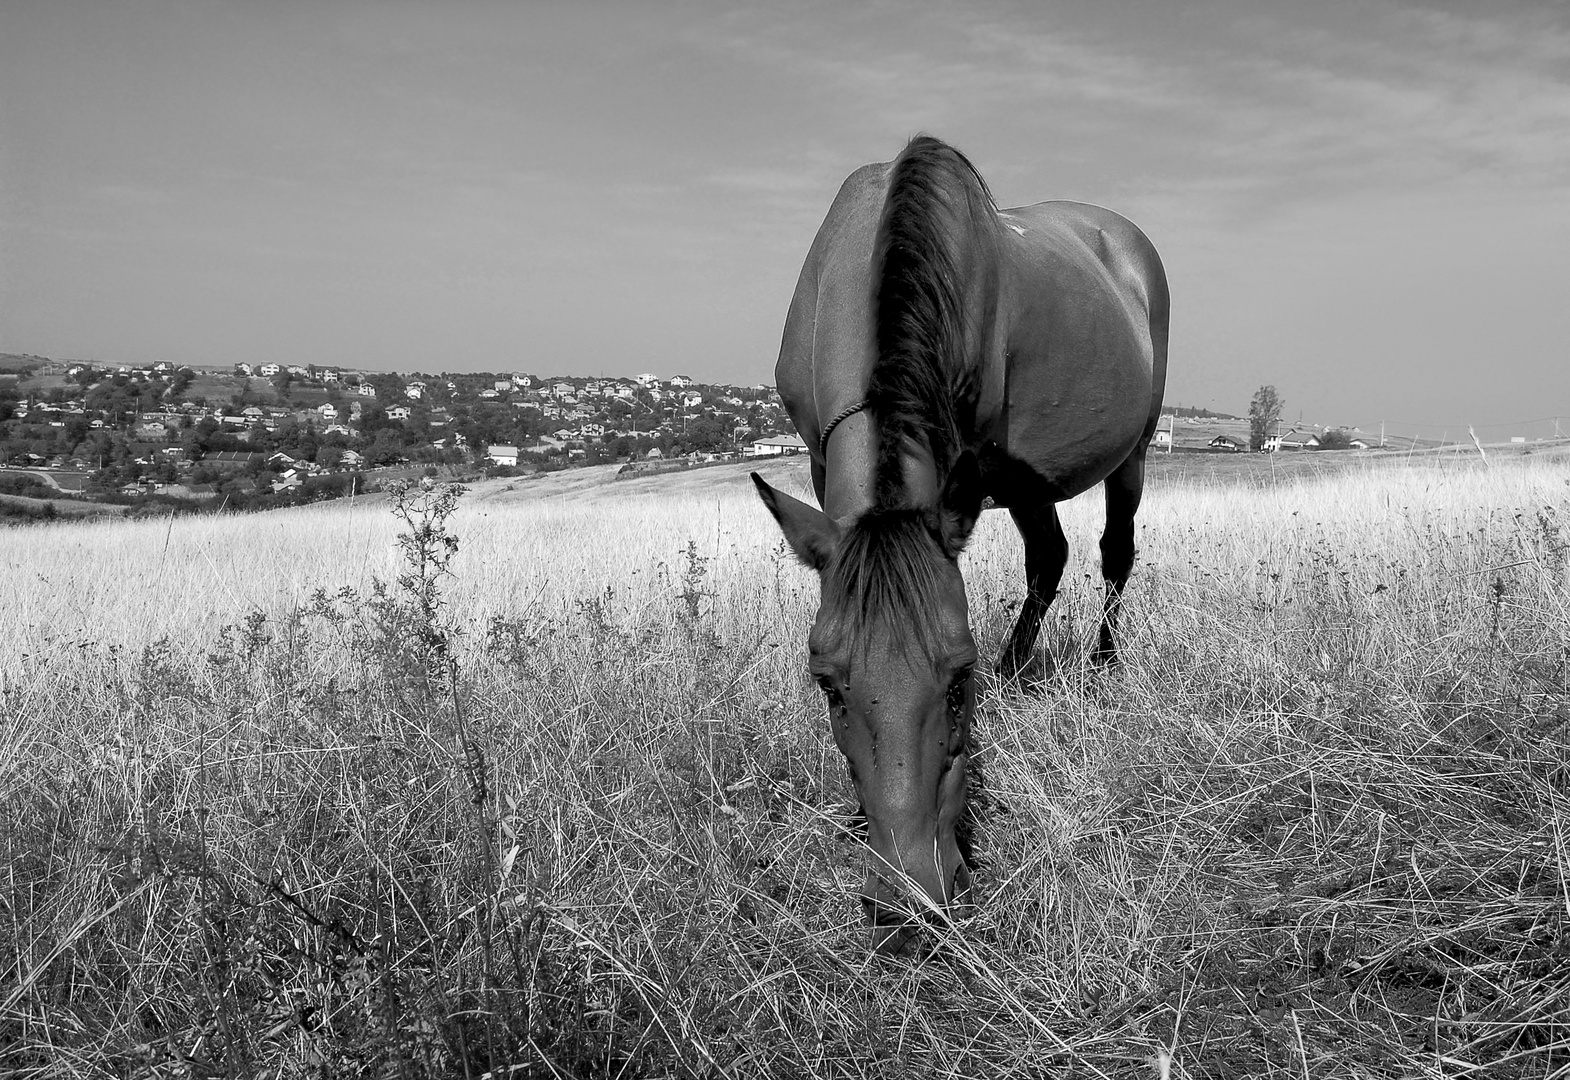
<point x="936" y="264"/>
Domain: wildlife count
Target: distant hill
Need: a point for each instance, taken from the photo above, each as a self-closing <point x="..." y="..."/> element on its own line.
<point x="1194" y="410"/>
<point x="20" y="363"/>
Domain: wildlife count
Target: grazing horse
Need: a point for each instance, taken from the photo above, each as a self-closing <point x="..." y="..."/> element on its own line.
<point x="939" y="350"/>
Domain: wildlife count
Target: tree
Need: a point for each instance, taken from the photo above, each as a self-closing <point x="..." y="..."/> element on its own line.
<point x="1263" y="412"/>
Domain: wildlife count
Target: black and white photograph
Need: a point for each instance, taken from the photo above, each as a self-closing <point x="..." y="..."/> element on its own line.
<point x="905" y="538"/>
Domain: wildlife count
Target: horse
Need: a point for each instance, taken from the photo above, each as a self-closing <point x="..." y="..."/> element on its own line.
<point x="939" y="351"/>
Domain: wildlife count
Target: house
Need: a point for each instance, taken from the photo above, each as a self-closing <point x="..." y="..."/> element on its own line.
<point x="152" y="429"/>
<point x="327" y="411"/>
<point x="351" y="459"/>
<point x="502" y="454"/>
<point x="299" y="371"/>
<point x="681" y="381"/>
<point x="398" y="412"/>
<point x="414" y="391"/>
<point x="502" y="386"/>
<point x="648" y="382"/>
<point x="489" y="394"/>
<point x="563" y="390"/>
<point x="522" y="381"/>
<point x="1162" y="439"/>
<point x="592" y="431"/>
<point x="243" y="369"/>
<point x="252" y="413"/>
<point x="564" y="434"/>
<point x="365" y="389"/>
<point x="1226" y="442"/>
<point x="691" y="399"/>
<point x="777" y="444"/>
<point x="328" y="375"/>
<point x="267" y="371"/>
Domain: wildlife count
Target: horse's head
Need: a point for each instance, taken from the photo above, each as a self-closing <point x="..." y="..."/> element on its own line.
<point x="892" y="649"/>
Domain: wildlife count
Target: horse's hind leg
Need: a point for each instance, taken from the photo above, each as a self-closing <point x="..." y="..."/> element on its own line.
<point x="1124" y="488"/>
<point x="1046" y="552"/>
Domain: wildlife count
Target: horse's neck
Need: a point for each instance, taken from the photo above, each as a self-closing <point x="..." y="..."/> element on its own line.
<point x="851" y="486"/>
<point x="849" y="478"/>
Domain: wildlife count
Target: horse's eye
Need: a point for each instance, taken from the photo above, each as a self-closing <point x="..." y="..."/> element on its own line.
<point x="830" y="691"/>
<point x="957" y="690"/>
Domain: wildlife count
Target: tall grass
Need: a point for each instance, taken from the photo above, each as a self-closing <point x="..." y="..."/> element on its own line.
<point x="258" y="822"/>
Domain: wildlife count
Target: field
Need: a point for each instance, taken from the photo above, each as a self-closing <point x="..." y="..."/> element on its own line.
<point x="286" y="795"/>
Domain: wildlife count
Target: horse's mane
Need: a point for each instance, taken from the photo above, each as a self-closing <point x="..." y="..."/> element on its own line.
<point x="936" y="270"/>
<point x="935" y="249"/>
<point x="885" y="570"/>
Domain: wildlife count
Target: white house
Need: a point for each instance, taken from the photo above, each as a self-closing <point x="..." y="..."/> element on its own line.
<point x="398" y="412"/>
<point x="365" y="389"/>
<point x="522" y="381"/>
<point x="682" y="381"/>
<point x="267" y="371"/>
<point x="777" y="444"/>
<point x="328" y="375"/>
<point x="327" y="411"/>
<point x="502" y="455"/>
<point x="691" y="399"/>
<point x="647" y="381"/>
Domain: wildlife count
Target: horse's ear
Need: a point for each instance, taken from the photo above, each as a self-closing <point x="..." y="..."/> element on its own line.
<point x="811" y="533"/>
<point x="960" y="504"/>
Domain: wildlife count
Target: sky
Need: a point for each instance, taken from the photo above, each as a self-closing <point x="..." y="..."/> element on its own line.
<point x="1364" y="204"/>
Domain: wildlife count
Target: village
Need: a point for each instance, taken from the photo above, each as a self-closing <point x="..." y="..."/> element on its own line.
<point x="276" y="433"/>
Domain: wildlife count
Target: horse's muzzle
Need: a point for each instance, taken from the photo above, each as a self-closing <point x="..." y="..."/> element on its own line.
<point x="897" y="919"/>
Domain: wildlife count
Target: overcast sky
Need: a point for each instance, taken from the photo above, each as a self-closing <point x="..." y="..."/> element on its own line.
<point x="1365" y="204"/>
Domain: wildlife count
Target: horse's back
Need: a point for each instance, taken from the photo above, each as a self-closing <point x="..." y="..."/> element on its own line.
<point x="1085" y="359"/>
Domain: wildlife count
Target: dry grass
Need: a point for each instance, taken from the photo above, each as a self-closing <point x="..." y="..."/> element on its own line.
<point x="1317" y="825"/>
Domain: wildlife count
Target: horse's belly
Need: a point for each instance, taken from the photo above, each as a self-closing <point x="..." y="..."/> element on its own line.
<point x="1070" y="446"/>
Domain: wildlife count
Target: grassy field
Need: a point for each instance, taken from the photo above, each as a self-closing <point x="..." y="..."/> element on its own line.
<point x="280" y="800"/>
